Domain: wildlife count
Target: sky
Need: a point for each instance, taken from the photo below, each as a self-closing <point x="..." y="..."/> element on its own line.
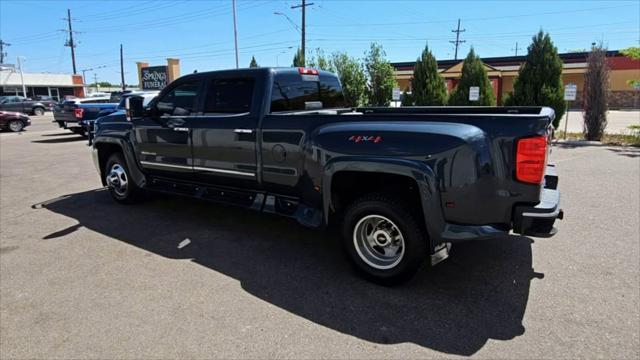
<point x="200" y="33"/>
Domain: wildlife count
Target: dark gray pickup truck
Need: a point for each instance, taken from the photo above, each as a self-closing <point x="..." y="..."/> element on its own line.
<point x="401" y="184"/>
<point x="25" y="106"/>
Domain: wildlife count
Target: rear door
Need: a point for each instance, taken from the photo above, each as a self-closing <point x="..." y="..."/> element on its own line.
<point x="163" y="137"/>
<point x="224" y="135"/>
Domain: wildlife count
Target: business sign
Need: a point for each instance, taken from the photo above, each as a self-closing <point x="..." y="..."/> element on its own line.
<point x="474" y="93"/>
<point x="570" y="92"/>
<point x="396" y="94"/>
<point x="154" y="77"/>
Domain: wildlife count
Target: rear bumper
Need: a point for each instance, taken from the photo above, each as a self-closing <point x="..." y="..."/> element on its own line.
<point x="538" y="220"/>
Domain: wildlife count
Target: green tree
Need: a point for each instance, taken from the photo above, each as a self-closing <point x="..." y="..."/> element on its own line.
<point x="539" y="82"/>
<point x="634" y="53"/>
<point x="320" y="61"/>
<point x="473" y="74"/>
<point x="407" y="98"/>
<point x="352" y="78"/>
<point x="428" y="87"/>
<point x="595" y="98"/>
<point x="298" y="59"/>
<point x="381" y="79"/>
<point x="254" y="63"/>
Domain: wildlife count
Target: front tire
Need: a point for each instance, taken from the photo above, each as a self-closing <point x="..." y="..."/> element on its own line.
<point x="384" y="240"/>
<point x="119" y="182"/>
<point x="16" y="125"/>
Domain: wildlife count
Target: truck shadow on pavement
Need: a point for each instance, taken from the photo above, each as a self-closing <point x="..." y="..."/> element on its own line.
<point x="479" y="293"/>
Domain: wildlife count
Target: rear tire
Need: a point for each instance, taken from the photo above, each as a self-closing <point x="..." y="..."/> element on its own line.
<point x="15" y="125"/>
<point x="38" y="111"/>
<point x="384" y="240"/>
<point x="119" y="182"/>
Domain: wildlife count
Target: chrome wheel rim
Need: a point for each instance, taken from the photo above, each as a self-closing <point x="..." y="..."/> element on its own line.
<point x="379" y="242"/>
<point x="38" y="112"/>
<point x="117" y="179"/>
<point x="15" y="126"/>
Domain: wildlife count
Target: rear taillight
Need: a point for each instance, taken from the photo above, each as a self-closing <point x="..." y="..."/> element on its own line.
<point x="531" y="159"/>
<point x="78" y="113"/>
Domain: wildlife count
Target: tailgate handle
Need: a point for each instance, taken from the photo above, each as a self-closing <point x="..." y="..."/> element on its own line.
<point x="243" y="131"/>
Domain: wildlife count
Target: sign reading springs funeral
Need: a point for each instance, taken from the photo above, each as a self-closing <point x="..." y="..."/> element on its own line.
<point x="154" y="77"/>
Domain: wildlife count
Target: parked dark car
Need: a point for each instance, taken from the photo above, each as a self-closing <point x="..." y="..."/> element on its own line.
<point x="25" y="105"/>
<point x="13" y="121"/>
<point x="71" y="114"/>
<point x="401" y="184"/>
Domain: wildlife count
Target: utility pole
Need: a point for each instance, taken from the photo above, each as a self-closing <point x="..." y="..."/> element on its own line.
<point x="24" y="88"/>
<point x="235" y="31"/>
<point x="457" y="42"/>
<point x="516" y="49"/>
<point x="303" y="7"/>
<point x="2" y="52"/>
<point x="122" y="68"/>
<point x="95" y="80"/>
<point x="70" y="42"/>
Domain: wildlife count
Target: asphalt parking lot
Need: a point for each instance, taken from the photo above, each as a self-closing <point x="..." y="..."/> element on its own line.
<point x="83" y="277"/>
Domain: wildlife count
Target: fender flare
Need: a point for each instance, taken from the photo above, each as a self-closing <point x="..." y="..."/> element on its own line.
<point x="129" y="156"/>
<point x="420" y="172"/>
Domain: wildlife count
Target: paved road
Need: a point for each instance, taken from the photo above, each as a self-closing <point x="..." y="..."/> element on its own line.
<point x="82" y="277"/>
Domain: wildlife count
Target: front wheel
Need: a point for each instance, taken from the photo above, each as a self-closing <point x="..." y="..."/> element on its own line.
<point x="384" y="239"/>
<point x="121" y="187"/>
<point x="16" y="125"/>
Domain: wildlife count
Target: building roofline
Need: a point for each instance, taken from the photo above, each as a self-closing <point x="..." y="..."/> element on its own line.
<point x="509" y="60"/>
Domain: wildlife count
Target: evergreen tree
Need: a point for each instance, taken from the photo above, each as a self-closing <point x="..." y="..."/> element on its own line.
<point x="352" y="78"/>
<point x="298" y="59"/>
<point x="381" y="79"/>
<point x="253" y="63"/>
<point x="428" y="87"/>
<point x="539" y="82"/>
<point x="473" y="74"/>
<point x="594" y="103"/>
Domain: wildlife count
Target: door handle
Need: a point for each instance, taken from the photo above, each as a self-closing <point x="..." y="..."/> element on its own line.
<point x="243" y="131"/>
<point x="181" y="129"/>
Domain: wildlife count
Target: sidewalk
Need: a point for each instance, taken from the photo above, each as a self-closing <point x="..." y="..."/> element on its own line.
<point x="617" y="121"/>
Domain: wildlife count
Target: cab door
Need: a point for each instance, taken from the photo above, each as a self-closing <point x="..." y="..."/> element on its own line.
<point x="224" y="135"/>
<point x="163" y="136"/>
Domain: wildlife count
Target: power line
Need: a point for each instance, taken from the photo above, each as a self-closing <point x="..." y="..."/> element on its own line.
<point x="457" y="42"/>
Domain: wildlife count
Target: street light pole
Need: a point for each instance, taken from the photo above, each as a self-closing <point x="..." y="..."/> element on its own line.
<point x="24" y="88"/>
<point x="235" y="31"/>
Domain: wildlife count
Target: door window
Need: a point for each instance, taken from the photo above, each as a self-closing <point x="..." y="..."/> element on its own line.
<point x="229" y="96"/>
<point x="180" y="101"/>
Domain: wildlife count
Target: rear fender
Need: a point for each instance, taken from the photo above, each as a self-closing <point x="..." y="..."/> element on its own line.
<point x="420" y="172"/>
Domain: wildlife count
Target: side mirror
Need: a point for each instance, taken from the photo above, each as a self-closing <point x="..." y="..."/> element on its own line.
<point x="134" y="107"/>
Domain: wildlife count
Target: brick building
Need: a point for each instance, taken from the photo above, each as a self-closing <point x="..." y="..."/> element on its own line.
<point x="502" y="72"/>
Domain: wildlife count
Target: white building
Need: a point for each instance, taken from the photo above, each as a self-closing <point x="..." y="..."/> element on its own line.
<point x="39" y="84"/>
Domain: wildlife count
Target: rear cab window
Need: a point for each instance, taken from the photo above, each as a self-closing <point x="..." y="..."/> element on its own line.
<point x="296" y="92"/>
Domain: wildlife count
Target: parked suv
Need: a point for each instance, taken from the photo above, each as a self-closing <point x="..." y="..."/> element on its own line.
<point x="402" y="184"/>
